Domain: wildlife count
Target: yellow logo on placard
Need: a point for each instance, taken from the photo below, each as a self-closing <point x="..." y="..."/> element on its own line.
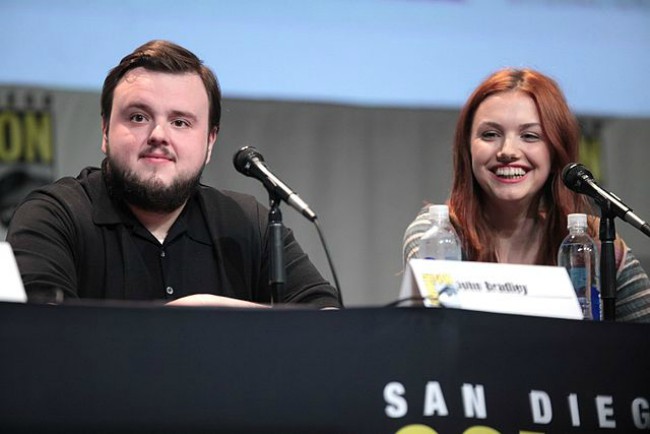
<point x="434" y="284"/>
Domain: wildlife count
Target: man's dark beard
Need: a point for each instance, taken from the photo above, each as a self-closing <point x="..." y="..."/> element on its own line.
<point x="148" y="195"/>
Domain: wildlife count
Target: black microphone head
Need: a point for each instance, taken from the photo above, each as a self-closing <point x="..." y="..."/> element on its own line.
<point x="244" y="158"/>
<point x="575" y="176"/>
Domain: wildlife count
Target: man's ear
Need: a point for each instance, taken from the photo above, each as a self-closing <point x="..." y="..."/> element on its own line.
<point x="212" y="138"/>
<point x="104" y="136"/>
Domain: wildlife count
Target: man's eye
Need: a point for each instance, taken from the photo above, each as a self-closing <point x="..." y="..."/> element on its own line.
<point x="181" y="123"/>
<point x="138" y="118"/>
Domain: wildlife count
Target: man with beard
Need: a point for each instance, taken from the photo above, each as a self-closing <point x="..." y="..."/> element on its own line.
<point x="143" y="227"/>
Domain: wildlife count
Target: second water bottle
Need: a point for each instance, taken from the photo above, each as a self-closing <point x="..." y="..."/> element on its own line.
<point x="578" y="254"/>
<point x="440" y="241"/>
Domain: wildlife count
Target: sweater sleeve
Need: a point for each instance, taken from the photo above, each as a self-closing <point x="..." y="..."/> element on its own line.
<point x="413" y="233"/>
<point x="632" y="290"/>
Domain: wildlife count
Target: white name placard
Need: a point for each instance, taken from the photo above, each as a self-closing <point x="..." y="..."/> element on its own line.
<point x="11" y="284"/>
<point x="491" y="287"/>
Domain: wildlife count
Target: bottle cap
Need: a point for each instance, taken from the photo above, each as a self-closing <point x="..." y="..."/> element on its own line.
<point x="576" y="220"/>
<point x="439" y="212"/>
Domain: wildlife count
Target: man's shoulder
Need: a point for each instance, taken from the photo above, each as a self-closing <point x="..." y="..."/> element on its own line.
<point x="65" y="203"/>
<point x="69" y="186"/>
<point x="231" y="208"/>
<point x="227" y="198"/>
<point x="80" y="198"/>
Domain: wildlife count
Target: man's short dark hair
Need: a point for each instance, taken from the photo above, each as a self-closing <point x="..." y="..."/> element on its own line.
<point x="163" y="56"/>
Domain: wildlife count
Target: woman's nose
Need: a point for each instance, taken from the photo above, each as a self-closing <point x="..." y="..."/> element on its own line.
<point x="509" y="150"/>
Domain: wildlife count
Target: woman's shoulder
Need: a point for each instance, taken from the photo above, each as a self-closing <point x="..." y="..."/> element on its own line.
<point x="413" y="233"/>
<point x="420" y="223"/>
<point x="620" y="248"/>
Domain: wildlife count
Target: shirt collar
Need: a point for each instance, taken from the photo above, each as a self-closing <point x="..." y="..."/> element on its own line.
<point x="105" y="211"/>
<point x="108" y="212"/>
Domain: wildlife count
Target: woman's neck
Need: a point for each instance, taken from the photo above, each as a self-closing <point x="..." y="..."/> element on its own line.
<point x="517" y="236"/>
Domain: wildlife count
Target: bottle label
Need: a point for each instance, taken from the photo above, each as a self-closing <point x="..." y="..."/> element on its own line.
<point x="578" y="277"/>
<point x="581" y="284"/>
<point x="595" y="303"/>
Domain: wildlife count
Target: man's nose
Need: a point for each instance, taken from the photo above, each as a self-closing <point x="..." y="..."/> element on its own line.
<point x="158" y="135"/>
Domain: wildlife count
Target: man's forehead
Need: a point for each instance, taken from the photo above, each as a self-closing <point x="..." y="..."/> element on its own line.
<point x="142" y="77"/>
<point x="143" y="86"/>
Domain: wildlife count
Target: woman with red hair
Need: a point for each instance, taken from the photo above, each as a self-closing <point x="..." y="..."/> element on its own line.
<point x="508" y="203"/>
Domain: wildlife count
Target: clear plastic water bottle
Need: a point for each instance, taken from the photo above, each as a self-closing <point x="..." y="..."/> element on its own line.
<point x="578" y="254"/>
<point x="440" y="241"/>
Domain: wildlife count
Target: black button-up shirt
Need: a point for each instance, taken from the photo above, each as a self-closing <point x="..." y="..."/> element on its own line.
<point x="184" y="263"/>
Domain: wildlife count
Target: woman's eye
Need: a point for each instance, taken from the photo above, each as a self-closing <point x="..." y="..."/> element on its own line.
<point x="530" y="137"/>
<point x="489" y="135"/>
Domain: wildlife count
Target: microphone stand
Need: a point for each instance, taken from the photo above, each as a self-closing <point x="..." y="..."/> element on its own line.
<point x="607" y="261"/>
<point x="277" y="272"/>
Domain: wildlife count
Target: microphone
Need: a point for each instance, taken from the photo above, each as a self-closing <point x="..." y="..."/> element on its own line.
<point x="250" y="162"/>
<point x="577" y="178"/>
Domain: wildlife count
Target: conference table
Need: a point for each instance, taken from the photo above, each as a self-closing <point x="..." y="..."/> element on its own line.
<point x="129" y="367"/>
